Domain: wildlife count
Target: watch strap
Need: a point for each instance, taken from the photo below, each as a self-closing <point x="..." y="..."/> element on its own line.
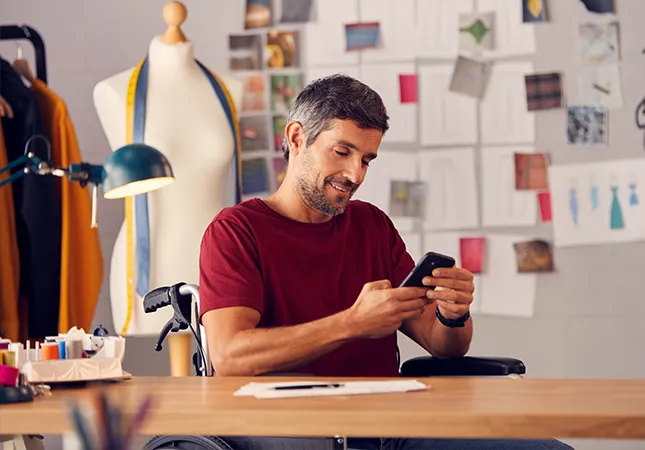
<point x="452" y="323"/>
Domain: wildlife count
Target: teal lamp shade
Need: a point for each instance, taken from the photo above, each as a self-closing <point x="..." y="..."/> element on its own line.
<point x="135" y="169"/>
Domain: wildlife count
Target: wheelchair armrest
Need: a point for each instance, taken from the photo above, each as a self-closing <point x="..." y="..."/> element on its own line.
<point x="428" y="366"/>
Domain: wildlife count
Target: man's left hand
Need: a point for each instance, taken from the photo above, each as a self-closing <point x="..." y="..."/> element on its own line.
<point x="454" y="290"/>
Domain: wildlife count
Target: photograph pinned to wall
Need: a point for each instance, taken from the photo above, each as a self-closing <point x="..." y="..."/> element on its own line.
<point x="531" y="171"/>
<point x="544" y="205"/>
<point x="543" y="91"/>
<point x="587" y="125"/>
<point x="362" y="35"/>
<point x="258" y="14"/>
<point x="255" y="178"/>
<point x="470" y="77"/>
<point x="477" y="32"/>
<point x="408" y="88"/>
<point x="601" y="86"/>
<point x="254" y="97"/>
<point x="599" y="6"/>
<point x="599" y="43"/>
<point x="533" y="256"/>
<point x="295" y="11"/>
<point x="279" y="123"/>
<point x="534" y="11"/>
<point x="472" y="251"/>
<point x="245" y="52"/>
<point x="279" y="170"/>
<point x="407" y="198"/>
<point x="281" y="50"/>
<point x="254" y="133"/>
<point x="284" y="90"/>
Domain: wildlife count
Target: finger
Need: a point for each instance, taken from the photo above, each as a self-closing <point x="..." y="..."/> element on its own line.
<point x="450" y="283"/>
<point x="452" y="310"/>
<point x="451" y="296"/>
<point x="411" y="314"/>
<point x="409" y="305"/>
<point x="453" y="272"/>
<point x="409" y="292"/>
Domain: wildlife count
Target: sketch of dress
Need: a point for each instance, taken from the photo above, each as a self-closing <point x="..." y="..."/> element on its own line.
<point x="573" y="205"/>
<point x="633" y="195"/>
<point x="594" y="197"/>
<point x="616" y="220"/>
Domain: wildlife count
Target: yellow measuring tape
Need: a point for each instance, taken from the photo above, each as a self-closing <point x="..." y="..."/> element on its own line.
<point x="129" y="201"/>
<point x="129" y="214"/>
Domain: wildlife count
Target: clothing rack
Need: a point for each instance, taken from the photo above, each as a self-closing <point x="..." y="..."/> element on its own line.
<point x="12" y="32"/>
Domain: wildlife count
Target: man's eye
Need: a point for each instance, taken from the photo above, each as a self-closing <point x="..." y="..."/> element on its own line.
<point x="366" y="163"/>
<point x="341" y="153"/>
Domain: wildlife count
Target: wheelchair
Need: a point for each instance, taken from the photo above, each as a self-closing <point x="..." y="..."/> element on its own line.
<point x="185" y="301"/>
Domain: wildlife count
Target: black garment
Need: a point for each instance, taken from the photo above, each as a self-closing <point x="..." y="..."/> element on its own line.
<point x="37" y="210"/>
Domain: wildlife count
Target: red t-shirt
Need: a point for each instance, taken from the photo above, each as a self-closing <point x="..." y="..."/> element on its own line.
<point x="294" y="272"/>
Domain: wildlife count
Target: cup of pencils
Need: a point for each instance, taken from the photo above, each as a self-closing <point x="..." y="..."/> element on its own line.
<point x="112" y="429"/>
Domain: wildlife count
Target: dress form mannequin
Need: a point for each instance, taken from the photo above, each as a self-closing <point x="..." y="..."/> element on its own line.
<point x="186" y="121"/>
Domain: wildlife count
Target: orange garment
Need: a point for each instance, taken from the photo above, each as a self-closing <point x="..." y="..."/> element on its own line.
<point x="81" y="258"/>
<point x="9" y="259"/>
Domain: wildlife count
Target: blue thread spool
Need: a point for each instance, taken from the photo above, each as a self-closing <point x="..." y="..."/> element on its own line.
<point x="61" y="350"/>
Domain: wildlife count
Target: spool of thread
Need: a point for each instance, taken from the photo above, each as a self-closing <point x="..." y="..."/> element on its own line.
<point x="61" y="350"/>
<point x="74" y="349"/>
<point x="49" y="351"/>
<point x="9" y="358"/>
<point x="9" y="376"/>
<point x="4" y="344"/>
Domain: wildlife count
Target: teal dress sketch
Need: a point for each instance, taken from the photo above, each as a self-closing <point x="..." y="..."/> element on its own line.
<point x="616" y="219"/>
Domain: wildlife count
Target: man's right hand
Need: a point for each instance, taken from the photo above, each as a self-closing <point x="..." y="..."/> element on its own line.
<point x="380" y="309"/>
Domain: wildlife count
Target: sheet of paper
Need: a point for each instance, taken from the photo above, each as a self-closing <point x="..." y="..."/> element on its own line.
<point x="319" y="72"/>
<point x="447" y="118"/>
<point x="408" y="88"/>
<point x="543" y="91"/>
<point x="413" y="244"/>
<point x="534" y="256"/>
<point x="513" y="37"/>
<point x="362" y="35"/>
<point x="504" y="290"/>
<point x="472" y="252"/>
<point x="544" y="203"/>
<point x="384" y="79"/>
<point x="295" y="11"/>
<point x="598" y="202"/>
<point x="599" y="43"/>
<point x="324" y="36"/>
<point x="503" y="205"/>
<point x="531" y="171"/>
<point x="599" y="6"/>
<point x="377" y="187"/>
<point x="268" y="389"/>
<point x="398" y="29"/>
<point x="438" y="27"/>
<point x="601" y="86"/>
<point x="470" y="77"/>
<point x="451" y="191"/>
<point x="534" y="11"/>
<point x="448" y="243"/>
<point x="587" y="125"/>
<point x="476" y="32"/>
<point x="505" y="118"/>
<point x="257" y="14"/>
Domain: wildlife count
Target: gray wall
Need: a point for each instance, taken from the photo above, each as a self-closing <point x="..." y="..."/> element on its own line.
<point x="589" y="314"/>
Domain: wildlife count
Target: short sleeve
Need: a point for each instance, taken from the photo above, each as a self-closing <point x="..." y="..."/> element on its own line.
<point x="229" y="269"/>
<point x="402" y="262"/>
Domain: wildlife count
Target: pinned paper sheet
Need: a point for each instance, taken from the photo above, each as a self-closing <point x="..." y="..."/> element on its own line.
<point x="451" y="191"/>
<point x="324" y="38"/>
<point x="598" y="203"/>
<point x="408" y="90"/>
<point x="531" y="171"/>
<point x="398" y="29"/>
<point x="587" y="125"/>
<point x="502" y="204"/>
<point x="472" y="251"/>
<point x="362" y="35"/>
<point x="384" y="79"/>
<point x="505" y="118"/>
<point x="439" y="27"/>
<point x="476" y="32"/>
<point x="513" y="37"/>
<point x="504" y="290"/>
<point x="544" y="202"/>
<point x="470" y="77"/>
<point x="449" y="243"/>
<point x="543" y="91"/>
<point x="533" y="10"/>
<point x="317" y="388"/>
<point x="599" y="43"/>
<point x="599" y="6"/>
<point x="601" y="86"/>
<point x="533" y="256"/>
<point x="377" y="187"/>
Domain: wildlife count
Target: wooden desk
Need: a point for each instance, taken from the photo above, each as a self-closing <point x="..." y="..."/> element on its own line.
<point x="453" y="407"/>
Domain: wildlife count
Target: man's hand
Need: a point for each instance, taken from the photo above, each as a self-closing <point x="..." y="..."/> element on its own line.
<point x="380" y="309"/>
<point x="454" y="290"/>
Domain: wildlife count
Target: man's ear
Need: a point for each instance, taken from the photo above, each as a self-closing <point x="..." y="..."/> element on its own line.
<point x="295" y="137"/>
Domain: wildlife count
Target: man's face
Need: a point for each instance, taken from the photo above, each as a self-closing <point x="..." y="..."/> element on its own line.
<point x="330" y="171"/>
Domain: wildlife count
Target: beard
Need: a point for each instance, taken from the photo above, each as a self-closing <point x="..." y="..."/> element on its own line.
<point x="313" y="193"/>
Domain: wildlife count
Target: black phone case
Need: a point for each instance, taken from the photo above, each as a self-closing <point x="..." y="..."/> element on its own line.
<point x="424" y="268"/>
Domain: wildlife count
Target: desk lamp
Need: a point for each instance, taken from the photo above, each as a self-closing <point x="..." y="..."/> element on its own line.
<point x="130" y="170"/>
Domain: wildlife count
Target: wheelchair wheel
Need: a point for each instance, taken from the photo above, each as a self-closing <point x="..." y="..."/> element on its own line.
<point x="186" y="443"/>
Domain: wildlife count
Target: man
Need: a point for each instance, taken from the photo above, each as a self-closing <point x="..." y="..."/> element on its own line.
<point x="306" y="280"/>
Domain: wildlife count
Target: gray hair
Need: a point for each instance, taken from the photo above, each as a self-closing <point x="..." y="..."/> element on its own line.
<point x="335" y="97"/>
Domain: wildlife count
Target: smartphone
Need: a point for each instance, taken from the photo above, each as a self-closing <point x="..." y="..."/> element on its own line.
<point x="424" y="268"/>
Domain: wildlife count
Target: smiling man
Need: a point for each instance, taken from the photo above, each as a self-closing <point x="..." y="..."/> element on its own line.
<point x="306" y="280"/>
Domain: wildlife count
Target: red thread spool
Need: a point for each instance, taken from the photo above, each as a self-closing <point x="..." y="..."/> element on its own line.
<point x="9" y="375"/>
<point x="49" y="350"/>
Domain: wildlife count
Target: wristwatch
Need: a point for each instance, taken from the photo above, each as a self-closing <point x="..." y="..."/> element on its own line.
<point x="452" y="323"/>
